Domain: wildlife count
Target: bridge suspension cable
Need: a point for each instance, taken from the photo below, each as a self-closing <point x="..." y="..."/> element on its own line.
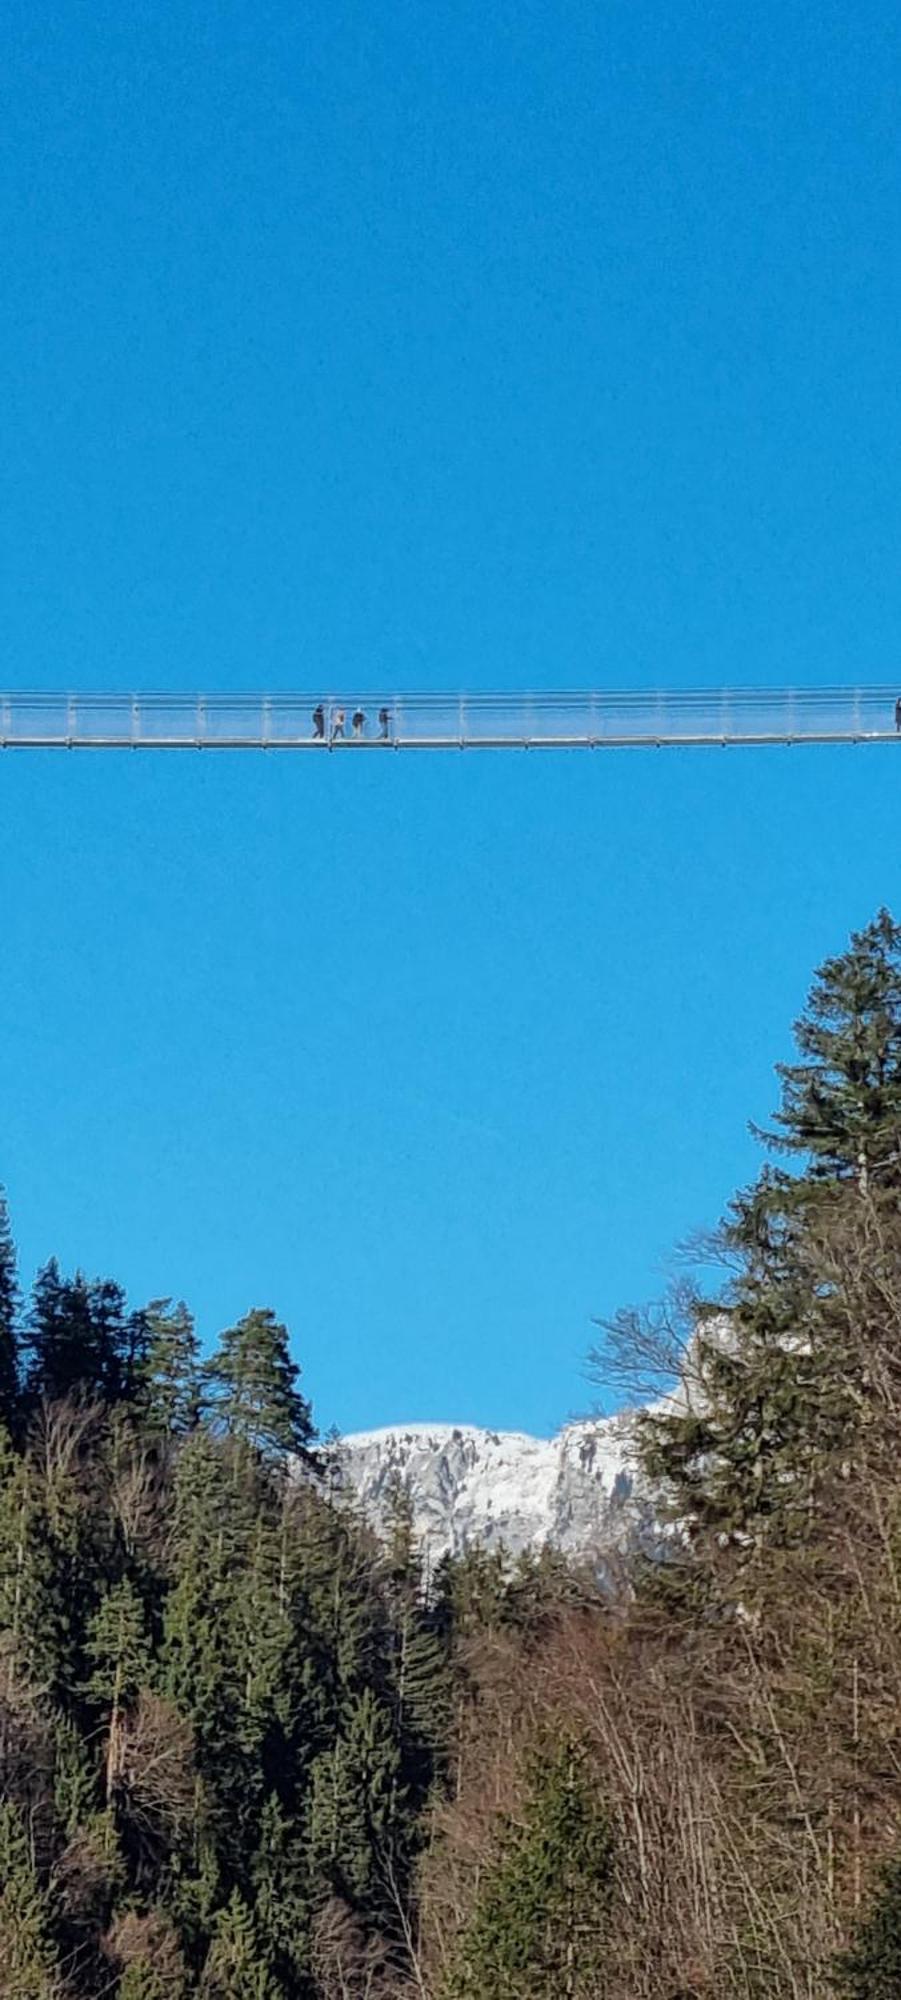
<point x="592" y="720"/>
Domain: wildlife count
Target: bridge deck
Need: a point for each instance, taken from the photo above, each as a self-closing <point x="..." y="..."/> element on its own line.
<point x="588" y="720"/>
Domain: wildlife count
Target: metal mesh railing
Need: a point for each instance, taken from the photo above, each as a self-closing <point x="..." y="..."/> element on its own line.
<point x="590" y="720"/>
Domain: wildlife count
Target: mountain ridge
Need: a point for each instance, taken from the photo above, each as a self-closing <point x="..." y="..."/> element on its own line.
<point x="473" y="1486"/>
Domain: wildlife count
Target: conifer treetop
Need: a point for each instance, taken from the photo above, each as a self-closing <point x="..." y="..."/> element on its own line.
<point x="841" y="1103"/>
<point x="251" y="1387"/>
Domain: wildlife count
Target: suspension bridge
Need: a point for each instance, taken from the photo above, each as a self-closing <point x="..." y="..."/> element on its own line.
<point x="354" y="723"/>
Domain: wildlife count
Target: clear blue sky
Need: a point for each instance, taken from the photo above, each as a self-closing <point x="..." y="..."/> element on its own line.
<point x="448" y="346"/>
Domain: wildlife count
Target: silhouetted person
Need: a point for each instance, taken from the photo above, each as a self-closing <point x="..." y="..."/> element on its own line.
<point x="385" y="722"/>
<point x="358" y="722"/>
<point x="319" y="721"/>
<point x="337" y="724"/>
<point x="898" y="714"/>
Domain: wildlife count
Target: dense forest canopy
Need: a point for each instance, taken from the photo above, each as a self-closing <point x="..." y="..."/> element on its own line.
<point x="249" y="1752"/>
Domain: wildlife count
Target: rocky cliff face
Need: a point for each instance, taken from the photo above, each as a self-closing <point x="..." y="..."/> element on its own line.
<point x="576" y="1491"/>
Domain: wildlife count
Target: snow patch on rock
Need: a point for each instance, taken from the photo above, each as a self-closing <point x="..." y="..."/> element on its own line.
<point x="502" y="1489"/>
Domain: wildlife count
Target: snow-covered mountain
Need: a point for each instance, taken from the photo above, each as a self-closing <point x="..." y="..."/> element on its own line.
<point x="576" y="1491"/>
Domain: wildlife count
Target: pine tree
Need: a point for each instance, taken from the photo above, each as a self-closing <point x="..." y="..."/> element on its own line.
<point x="9" y="1306"/>
<point x="841" y="1104"/>
<point x="81" y="1341"/>
<point x="235" y="1968"/>
<point x="222" y="1642"/>
<point x="421" y="1682"/>
<point x="199" y="1662"/>
<point x="39" y="1560"/>
<point x="118" y="1646"/>
<point x="540" y="1929"/>
<point x="281" y="1883"/>
<point x="355" y="1808"/>
<point x="779" y="1392"/>
<point x="472" y="1592"/>
<point x="144" y="1981"/>
<point x="252" y="1388"/>
<point x="28" y="1962"/>
<point x="170" y="1376"/>
<point x="74" y="1776"/>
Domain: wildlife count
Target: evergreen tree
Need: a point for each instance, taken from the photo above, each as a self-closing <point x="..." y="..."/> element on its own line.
<point x="471" y="1592"/>
<point x="201" y="1673"/>
<point x="44" y="1561"/>
<point x="118" y="1647"/>
<point x="540" y="1929"/>
<point x="841" y="1104"/>
<point x="871" y="1970"/>
<point x="252" y="1388"/>
<point x="28" y="1962"/>
<point x="235" y="1968"/>
<point x="74" y="1775"/>
<point x="143" y="1980"/>
<point x="778" y="1390"/>
<point x="355" y="1809"/>
<point x="81" y="1340"/>
<point x="281" y="1883"/>
<point x="170" y="1376"/>
<point x="421" y="1682"/>
<point x="9" y="1306"/>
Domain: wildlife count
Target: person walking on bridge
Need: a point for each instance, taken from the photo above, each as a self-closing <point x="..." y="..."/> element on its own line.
<point x="337" y="724"/>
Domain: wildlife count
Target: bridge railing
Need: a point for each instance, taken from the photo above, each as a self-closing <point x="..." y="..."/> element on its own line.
<point x="410" y="721"/>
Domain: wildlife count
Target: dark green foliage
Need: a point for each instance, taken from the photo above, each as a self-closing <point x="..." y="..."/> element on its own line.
<point x="9" y="1305"/>
<point x="235" y="1706"/>
<point x="540" y="1929"/>
<point x="871" y="1970"/>
<point x="282" y="1894"/>
<point x="251" y="1388"/>
<point x="81" y="1341"/>
<point x="117" y="1647"/>
<point x="235" y="1968"/>
<point x="170" y="1375"/>
<point x="29" y="1966"/>
<point x="777" y="1387"/>
<point x="841" y="1104"/>
<point x="471" y="1591"/>
<point x="356" y="1809"/>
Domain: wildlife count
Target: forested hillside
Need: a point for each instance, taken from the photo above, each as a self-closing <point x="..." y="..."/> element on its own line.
<point x="248" y="1752"/>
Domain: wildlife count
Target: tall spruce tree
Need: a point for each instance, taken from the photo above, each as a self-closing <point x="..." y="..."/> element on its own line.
<point x="778" y="1391"/>
<point x="421" y="1680"/>
<point x="841" y="1103"/>
<point x="251" y="1388"/>
<point x="200" y="1667"/>
<point x="9" y="1305"/>
<point x="81" y="1340"/>
<point x="281" y="1882"/>
<point x="541" y="1927"/>
<point x="118" y="1648"/>
<point x="170" y="1375"/>
<point x="235" y="1967"/>
<point x="356" y="1812"/>
<point x="29" y="1966"/>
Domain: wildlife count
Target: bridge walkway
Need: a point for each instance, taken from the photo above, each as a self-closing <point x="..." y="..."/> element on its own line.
<point x="352" y="722"/>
